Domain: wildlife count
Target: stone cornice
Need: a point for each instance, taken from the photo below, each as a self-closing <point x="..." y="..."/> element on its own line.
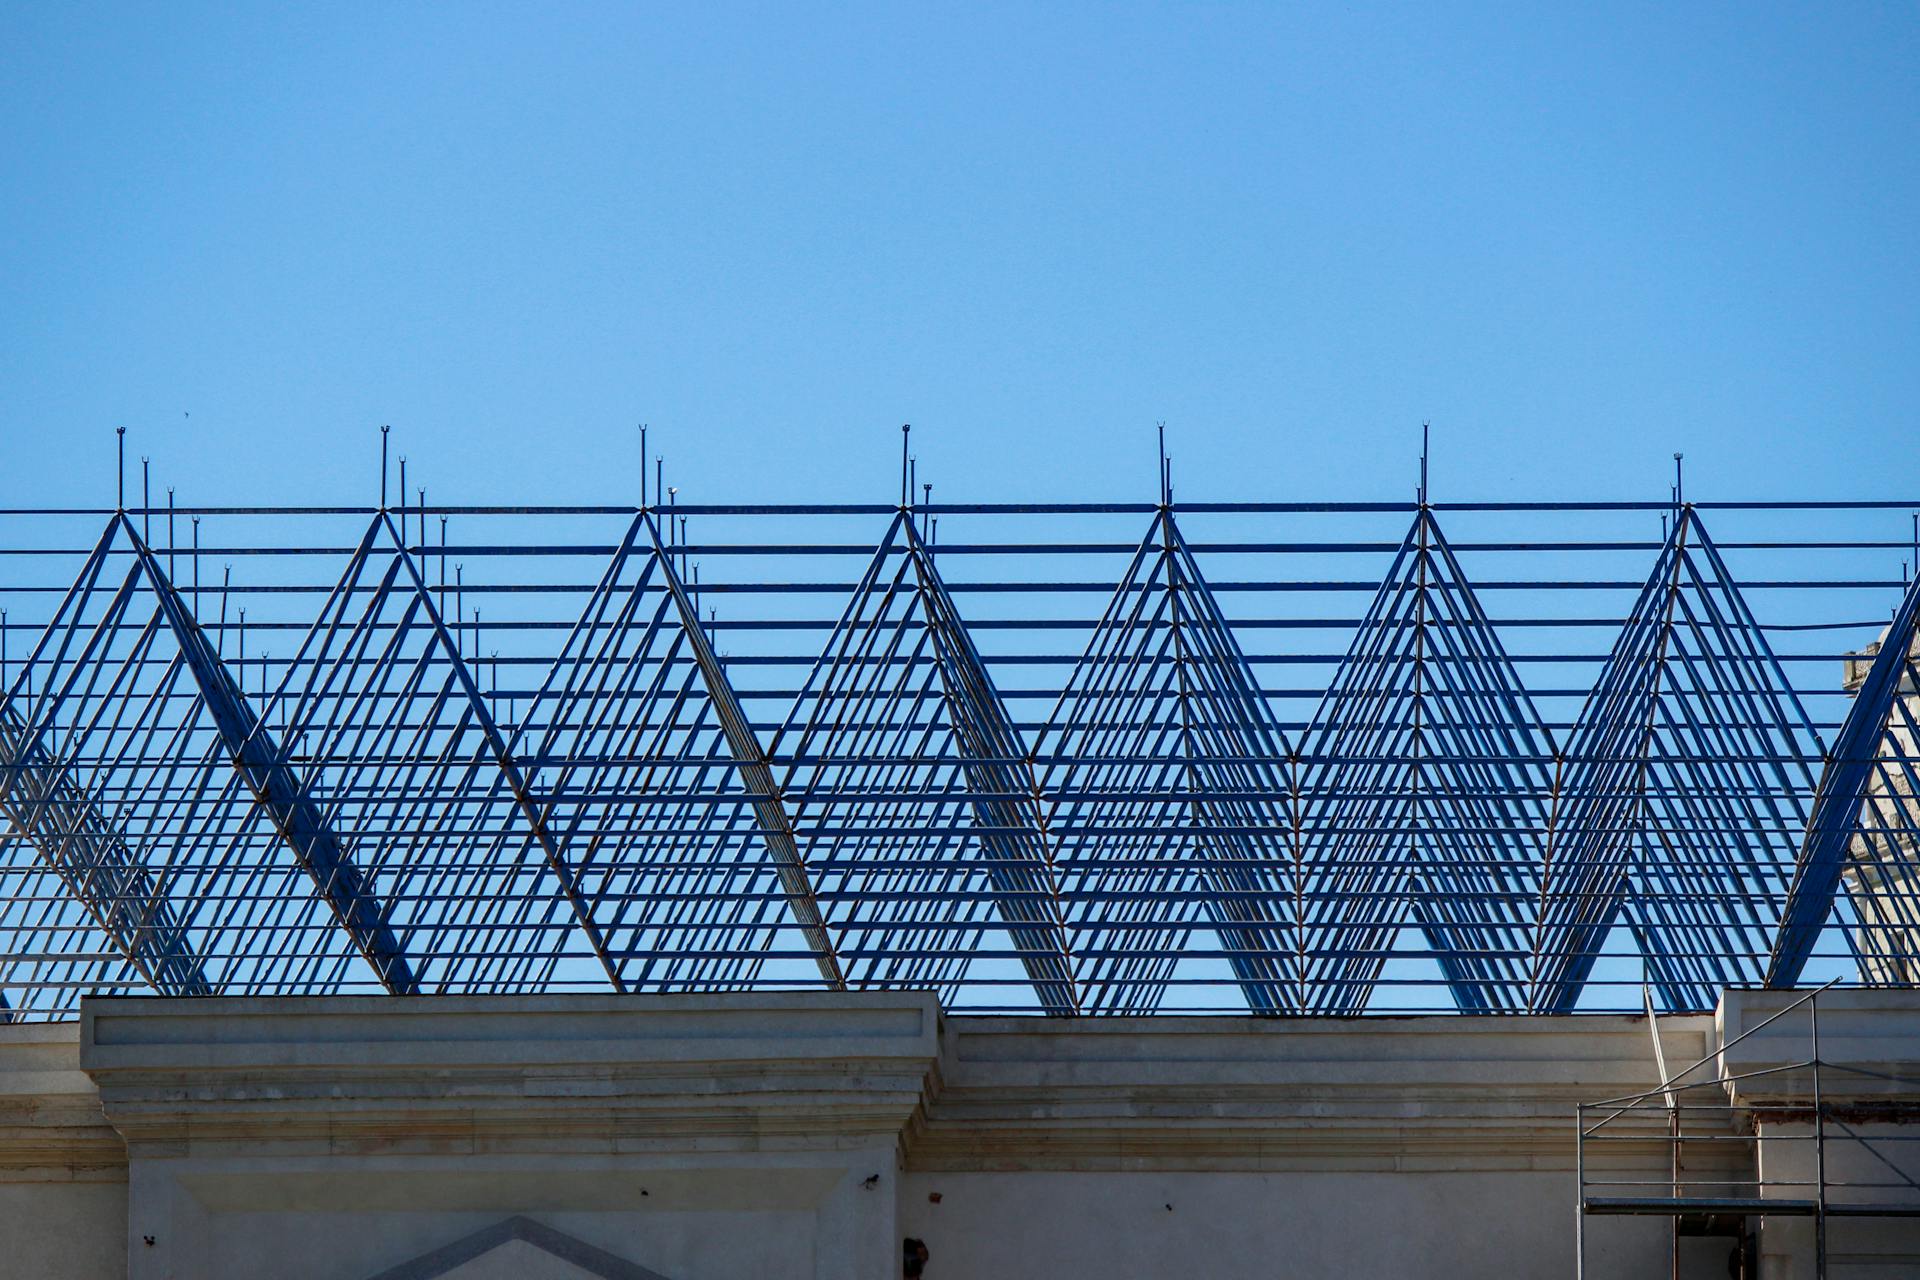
<point x="52" y="1127"/>
<point x="1874" y="1033"/>
<point x="520" y="1074"/>
<point x="795" y="1072"/>
<point x="1257" y="1094"/>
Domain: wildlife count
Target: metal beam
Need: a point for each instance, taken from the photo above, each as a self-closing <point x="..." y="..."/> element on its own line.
<point x="1011" y="830"/>
<point x="46" y="802"/>
<point x="1844" y="786"/>
<point x="82" y="846"/>
<point x="550" y="849"/>
<point x="279" y="792"/>
<point x="1258" y="962"/>
<point x="1428" y="769"/>
<point x="917" y="800"/>
<point x="756" y="774"/>
<point x="1603" y="788"/>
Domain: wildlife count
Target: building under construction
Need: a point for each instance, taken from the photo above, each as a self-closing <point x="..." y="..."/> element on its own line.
<point x="701" y="891"/>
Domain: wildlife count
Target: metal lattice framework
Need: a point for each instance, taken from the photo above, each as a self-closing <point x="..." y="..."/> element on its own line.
<point x="1085" y="762"/>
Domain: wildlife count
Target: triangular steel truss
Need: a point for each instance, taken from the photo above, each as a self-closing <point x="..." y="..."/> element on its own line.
<point x="913" y="796"/>
<point x="418" y="789"/>
<point x="129" y="749"/>
<point x="175" y="821"/>
<point x="1681" y="797"/>
<point x="643" y="767"/>
<point x="1172" y="800"/>
<point x="1427" y="794"/>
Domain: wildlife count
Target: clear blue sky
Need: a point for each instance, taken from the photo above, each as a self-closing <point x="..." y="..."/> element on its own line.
<point x="1576" y="238"/>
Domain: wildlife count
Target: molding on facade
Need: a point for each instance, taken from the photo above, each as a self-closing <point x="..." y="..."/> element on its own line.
<point x="1444" y="1093"/>
<point x="528" y="1075"/>
<point x="52" y="1126"/>
<point x="454" y="1074"/>
<point x="1869" y="1041"/>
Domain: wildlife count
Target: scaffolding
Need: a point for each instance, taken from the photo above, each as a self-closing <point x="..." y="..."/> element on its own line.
<point x="1709" y="1146"/>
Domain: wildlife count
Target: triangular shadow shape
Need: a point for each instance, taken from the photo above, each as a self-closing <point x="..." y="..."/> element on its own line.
<point x="450" y="1259"/>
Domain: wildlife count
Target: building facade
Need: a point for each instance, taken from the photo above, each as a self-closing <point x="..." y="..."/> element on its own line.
<point x="820" y="1136"/>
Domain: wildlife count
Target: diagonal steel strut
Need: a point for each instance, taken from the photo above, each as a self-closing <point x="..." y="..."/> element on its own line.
<point x="1844" y="788"/>
<point x="509" y="769"/>
<point x="769" y="808"/>
<point x="1021" y="863"/>
<point x="87" y="851"/>
<point x="64" y="822"/>
<point x="279" y="793"/>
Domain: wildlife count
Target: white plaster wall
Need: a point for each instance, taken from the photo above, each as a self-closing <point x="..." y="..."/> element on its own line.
<point x="341" y="1218"/>
<point x="63" y="1230"/>
<point x="1870" y="1041"/>
<point x="722" y="1140"/>
<point x="1267" y="1226"/>
<point x="1862" y="1157"/>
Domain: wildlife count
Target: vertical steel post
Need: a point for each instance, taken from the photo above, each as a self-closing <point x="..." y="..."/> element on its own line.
<point x="1819" y="1151"/>
<point x="1580" y="1193"/>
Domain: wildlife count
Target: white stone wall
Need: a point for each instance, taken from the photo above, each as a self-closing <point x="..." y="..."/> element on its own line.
<point x="1265" y="1226"/>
